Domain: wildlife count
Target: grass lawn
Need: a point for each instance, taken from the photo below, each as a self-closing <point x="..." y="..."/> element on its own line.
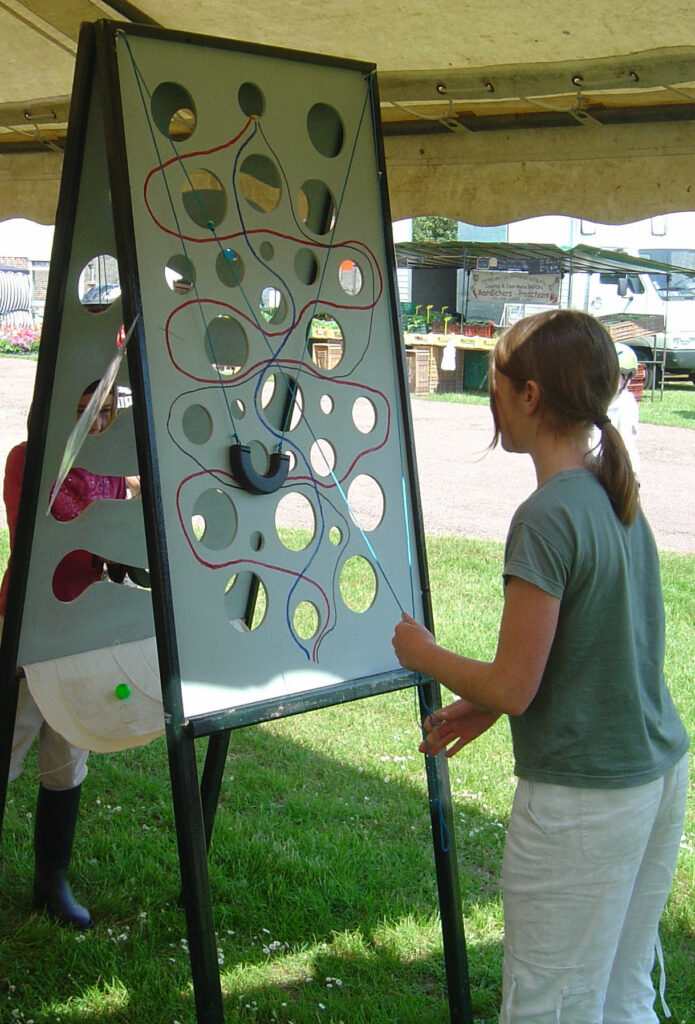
<point x="321" y="864"/>
<point x="675" y="408"/>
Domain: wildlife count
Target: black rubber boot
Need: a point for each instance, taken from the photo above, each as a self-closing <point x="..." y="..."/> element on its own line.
<point x="54" y="828"/>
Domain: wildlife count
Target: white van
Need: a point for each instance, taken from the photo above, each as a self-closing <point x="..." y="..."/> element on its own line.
<point x="666" y="239"/>
<point x="669" y="296"/>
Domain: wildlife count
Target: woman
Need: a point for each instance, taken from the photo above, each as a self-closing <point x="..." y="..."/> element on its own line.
<point x="600" y="751"/>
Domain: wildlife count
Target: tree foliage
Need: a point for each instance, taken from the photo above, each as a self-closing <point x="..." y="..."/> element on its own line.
<point x="434" y="229"/>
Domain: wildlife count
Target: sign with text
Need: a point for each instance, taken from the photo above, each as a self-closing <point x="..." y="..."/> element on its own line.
<point x="510" y="286"/>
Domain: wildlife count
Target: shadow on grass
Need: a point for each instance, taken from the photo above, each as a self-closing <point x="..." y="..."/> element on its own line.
<point x="319" y="869"/>
<point x="323" y="887"/>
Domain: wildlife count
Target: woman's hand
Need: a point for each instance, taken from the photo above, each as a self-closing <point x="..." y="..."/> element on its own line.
<point x="458" y="724"/>
<point x="133" y="485"/>
<point x="411" y="642"/>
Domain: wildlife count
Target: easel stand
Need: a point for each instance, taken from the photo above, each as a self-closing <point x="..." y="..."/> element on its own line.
<point x="236" y="225"/>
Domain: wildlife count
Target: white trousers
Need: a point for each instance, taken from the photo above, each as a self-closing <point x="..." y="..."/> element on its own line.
<point x="585" y="878"/>
<point x="61" y="766"/>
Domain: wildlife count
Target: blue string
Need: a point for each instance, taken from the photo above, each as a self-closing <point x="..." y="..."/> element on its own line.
<point x="139" y="79"/>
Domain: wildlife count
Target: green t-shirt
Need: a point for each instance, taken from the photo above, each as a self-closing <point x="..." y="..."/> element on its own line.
<point x="603" y="716"/>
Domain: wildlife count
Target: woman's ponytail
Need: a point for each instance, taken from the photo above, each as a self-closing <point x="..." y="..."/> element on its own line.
<point x="614" y="472"/>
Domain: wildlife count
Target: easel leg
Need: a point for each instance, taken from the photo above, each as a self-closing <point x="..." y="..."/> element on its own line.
<point x="455" y="957"/>
<point x="9" y="690"/>
<point x="213" y="771"/>
<point x="211" y="783"/>
<point x="195" y="882"/>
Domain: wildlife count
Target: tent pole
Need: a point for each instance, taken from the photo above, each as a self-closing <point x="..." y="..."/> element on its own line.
<point x="131" y="12"/>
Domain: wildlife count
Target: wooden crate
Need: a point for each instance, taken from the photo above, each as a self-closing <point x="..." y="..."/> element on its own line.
<point x="445" y="382"/>
<point x="326" y="354"/>
<point x="624" y="328"/>
<point x="417" y="359"/>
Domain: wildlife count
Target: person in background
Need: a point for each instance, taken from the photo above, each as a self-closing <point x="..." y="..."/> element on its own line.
<point x="600" y="750"/>
<point x="623" y="411"/>
<point x="62" y="767"/>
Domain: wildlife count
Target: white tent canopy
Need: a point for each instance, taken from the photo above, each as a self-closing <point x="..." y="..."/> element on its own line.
<point x="492" y="111"/>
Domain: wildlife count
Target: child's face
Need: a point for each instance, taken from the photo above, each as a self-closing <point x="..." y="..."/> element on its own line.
<point x="104" y="417"/>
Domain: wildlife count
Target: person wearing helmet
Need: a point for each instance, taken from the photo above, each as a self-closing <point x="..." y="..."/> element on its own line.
<point x="627" y="361"/>
<point x="623" y="412"/>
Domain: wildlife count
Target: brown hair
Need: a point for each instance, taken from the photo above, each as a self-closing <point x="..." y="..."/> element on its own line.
<point x="573" y="361"/>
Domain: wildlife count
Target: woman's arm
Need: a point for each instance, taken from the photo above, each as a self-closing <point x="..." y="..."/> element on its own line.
<point x="506" y="685"/>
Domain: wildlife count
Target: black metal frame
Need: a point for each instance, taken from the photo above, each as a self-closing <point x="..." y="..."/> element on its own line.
<point x="195" y="801"/>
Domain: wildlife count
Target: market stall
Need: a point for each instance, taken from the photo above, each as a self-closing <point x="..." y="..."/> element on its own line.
<point x="447" y="352"/>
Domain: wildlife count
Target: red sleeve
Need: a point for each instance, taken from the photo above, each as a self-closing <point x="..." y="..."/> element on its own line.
<point x="12" y="487"/>
<point x="11" y="491"/>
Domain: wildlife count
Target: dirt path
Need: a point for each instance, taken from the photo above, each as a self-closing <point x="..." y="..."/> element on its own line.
<point x="465" y="489"/>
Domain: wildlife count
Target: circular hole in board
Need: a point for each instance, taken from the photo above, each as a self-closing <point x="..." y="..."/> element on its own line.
<point x="316" y="206"/>
<point x="226" y="345"/>
<point x="98" y="285"/>
<point x="229" y="267"/>
<point x="366" y="500"/>
<point x="305" y="620"/>
<point x="260" y="182"/>
<point x="204" y="198"/>
<point x="358" y="584"/>
<point x="173" y="111"/>
<point x="251" y="99"/>
<point x="214" y="519"/>
<point x="295" y="521"/>
<point x="325" y="127"/>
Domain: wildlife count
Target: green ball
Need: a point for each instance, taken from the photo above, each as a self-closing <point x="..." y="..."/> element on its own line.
<point x="122" y="691"/>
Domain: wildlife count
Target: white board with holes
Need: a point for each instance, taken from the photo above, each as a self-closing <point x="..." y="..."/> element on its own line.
<point x="271" y="362"/>
<point x="268" y="321"/>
